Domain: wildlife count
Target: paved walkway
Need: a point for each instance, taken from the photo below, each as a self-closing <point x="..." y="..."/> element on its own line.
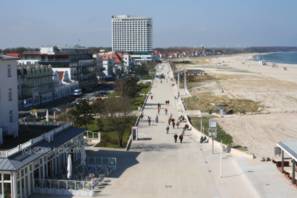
<point x="168" y="169"/>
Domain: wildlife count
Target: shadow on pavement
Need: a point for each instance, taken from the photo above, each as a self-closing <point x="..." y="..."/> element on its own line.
<point x="154" y="147"/>
<point x="145" y="139"/>
<point x="125" y="159"/>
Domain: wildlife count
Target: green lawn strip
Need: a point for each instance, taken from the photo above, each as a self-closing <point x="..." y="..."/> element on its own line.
<point x="109" y="137"/>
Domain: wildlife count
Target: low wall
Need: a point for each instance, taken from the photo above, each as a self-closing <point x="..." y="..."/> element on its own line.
<point x="64" y="192"/>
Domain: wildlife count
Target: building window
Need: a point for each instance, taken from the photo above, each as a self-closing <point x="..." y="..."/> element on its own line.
<point x="10" y="116"/>
<point x="6" y="177"/>
<point x="9" y="75"/>
<point x="10" y="94"/>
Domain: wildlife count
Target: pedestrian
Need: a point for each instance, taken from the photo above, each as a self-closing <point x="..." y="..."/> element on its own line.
<point x="175" y="138"/>
<point x="159" y="108"/>
<point x="166" y="111"/>
<point x="177" y="124"/>
<point x="173" y="121"/>
<point x="157" y="119"/>
<point x="141" y="116"/>
<point x="149" y="120"/>
<point x="152" y="97"/>
<point x="167" y="129"/>
<point x="181" y="137"/>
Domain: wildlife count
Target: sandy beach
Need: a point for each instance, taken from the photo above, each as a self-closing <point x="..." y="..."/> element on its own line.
<point x="274" y="86"/>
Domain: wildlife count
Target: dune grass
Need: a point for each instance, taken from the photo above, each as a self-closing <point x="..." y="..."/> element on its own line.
<point x="222" y="136"/>
<point x="207" y="102"/>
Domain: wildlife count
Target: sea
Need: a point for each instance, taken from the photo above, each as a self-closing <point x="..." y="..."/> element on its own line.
<point x="279" y="57"/>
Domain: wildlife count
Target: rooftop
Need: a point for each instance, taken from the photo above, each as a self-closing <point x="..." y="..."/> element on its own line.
<point x="129" y="17"/>
<point x="24" y="154"/>
<point x="5" y="57"/>
<point x="26" y="132"/>
<point x="290" y="147"/>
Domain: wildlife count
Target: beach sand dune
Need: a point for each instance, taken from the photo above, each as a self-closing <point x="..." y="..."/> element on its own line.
<point x="274" y="87"/>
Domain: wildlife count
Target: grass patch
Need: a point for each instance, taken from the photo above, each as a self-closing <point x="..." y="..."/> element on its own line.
<point x="222" y="135"/>
<point x="138" y="101"/>
<point x="110" y="139"/>
<point x="209" y="103"/>
<point x="193" y="81"/>
<point x="143" y="90"/>
<point x="109" y="136"/>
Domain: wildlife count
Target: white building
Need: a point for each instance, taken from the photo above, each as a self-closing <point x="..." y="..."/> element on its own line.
<point x="131" y="34"/>
<point x="8" y="96"/>
<point x="25" y="167"/>
<point x="108" y="67"/>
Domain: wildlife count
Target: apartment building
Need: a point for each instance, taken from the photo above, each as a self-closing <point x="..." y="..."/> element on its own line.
<point x="71" y="65"/>
<point x="8" y="97"/>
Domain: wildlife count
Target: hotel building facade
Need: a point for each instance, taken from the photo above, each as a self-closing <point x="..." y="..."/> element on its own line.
<point x="132" y="34"/>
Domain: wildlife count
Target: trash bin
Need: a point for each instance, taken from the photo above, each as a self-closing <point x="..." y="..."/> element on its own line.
<point x="135" y="133"/>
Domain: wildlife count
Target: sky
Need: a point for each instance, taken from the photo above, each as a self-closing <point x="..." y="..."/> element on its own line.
<point x="188" y="23"/>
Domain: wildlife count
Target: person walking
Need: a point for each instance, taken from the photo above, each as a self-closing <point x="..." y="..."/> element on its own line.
<point x="173" y="123"/>
<point x="141" y="116"/>
<point x="181" y="137"/>
<point x="149" y="120"/>
<point x="169" y="121"/>
<point x="157" y="119"/>
<point x="167" y="129"/>
<point x="186" y="127"/>
<point x="159" y="107"/>
<point x="166" y="111"/>
<point x="177" y="124"/>
<point x="175" y="138"/>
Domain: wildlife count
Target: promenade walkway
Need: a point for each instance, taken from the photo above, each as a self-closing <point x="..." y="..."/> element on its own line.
<point x="168" y="169"/>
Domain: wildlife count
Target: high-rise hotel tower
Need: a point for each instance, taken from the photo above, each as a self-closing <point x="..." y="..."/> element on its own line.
<point x="132" y="34"/>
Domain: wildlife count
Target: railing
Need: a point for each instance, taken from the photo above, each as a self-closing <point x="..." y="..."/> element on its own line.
<point x="65" y="184"/>
<point x="68" y="187"/>
<point x="87" y="185"/>
<point x="47" y="136"/>
<point x="92" y="137"/>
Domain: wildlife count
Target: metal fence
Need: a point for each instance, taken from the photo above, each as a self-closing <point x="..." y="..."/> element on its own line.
<point x="90" y="181"/>
<point x="92" y="137"/>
